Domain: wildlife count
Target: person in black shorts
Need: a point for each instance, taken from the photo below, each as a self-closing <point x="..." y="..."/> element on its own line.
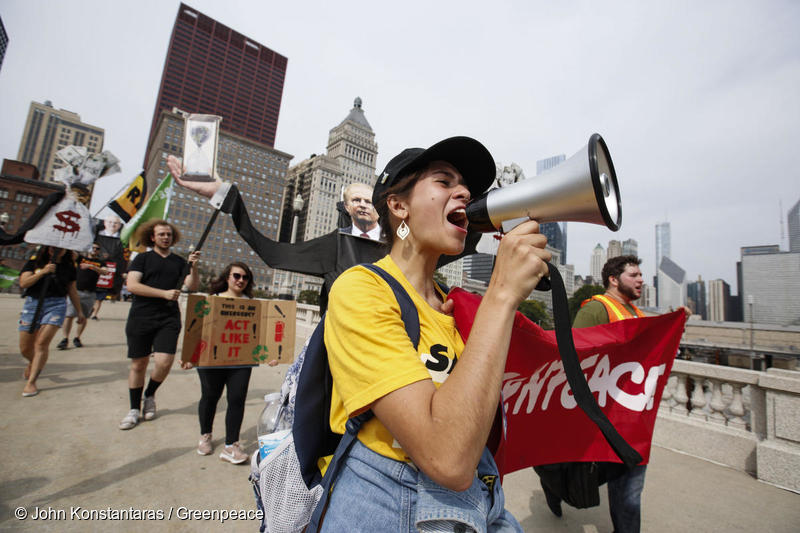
<point x="154" y="321"/>
<point x="89" y="270"/>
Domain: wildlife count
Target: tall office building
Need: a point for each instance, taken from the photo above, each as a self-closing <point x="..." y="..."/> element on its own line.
<point x="320" y="181"/>
<point x="719" y="294"/>
<point x="453" y="273"/>
<point x="614" y="249"/>
<point x="794" y="228"/>
<point x="648" y="298"/>
<point x="48" y="130"/>
<point x="556" y="237"/>
<point x="596" y="264"/>
<point x="663" y="247"/>
<point x="479" y="267"/>
<point x="556" y="232"/>
<point x="3" y="41"/>
<point x="770" y="285"/>
<point x="543" y="165"/>
<point x="671" y="285"/>
<point x="215" y="70"/>
<point x="21" y="192"/>
<point x="260" y="174"/>
<point x="630" y="247"/>
<point x="696" y="296"/>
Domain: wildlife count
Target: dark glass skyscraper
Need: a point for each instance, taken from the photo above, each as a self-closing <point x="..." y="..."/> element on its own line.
<point x="213" y="69"/>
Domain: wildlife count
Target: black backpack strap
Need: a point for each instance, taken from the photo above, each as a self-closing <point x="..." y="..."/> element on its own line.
<point x="408" y="311"/>
<point x="410" y="317"/>
<point x="577" y="380"/>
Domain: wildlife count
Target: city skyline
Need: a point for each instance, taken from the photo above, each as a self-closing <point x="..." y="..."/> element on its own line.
<point x="700" y="137"/>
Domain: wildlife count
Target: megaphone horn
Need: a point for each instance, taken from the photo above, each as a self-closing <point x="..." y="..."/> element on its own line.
<point x="581" y="189"/>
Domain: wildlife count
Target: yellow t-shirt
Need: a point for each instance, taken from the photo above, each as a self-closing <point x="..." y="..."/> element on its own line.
<point x="370" y="354"/>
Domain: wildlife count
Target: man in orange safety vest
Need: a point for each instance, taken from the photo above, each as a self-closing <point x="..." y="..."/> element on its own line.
<point x="623" y="282"/>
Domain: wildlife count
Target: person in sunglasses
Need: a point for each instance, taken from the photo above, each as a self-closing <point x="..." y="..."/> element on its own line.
<point x="235" y="281"/>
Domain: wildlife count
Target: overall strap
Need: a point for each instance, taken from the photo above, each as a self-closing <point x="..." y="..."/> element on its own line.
<point x="410" y="317"/>
<point x="408" y="311"/>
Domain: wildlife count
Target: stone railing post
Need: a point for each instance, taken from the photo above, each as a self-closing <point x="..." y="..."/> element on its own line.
<point x="736" y="408"/>
<point x="680" y="395"/>
<point x="698" y="399"/>
<point x="665" y="405"/>
<point x="716" y="404"/>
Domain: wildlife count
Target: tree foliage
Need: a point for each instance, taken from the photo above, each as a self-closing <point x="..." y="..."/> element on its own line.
<point x="308" y="297"/>
<point x="575" y="301"/>
<point x="536" y="312"/>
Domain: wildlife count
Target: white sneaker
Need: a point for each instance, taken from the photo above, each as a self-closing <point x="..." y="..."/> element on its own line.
<point x="204" y="447"/>
<point x="233" y="454"/>
<point x="130" y="420"/>
<point x="149" y="408"/>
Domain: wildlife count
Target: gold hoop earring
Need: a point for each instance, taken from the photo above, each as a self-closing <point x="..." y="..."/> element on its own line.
<point x="403" y="230"/>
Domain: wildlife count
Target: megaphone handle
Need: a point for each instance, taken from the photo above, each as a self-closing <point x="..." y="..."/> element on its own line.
<point x="544" y="283"/>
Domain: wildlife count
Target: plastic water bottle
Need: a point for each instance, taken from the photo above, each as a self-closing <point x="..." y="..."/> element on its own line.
<point x="271" y="429"/>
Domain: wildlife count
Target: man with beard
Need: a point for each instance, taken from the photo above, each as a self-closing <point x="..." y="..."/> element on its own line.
<point x="358" y="204"/>
<point x="154" y="321"/>
<point x="622" y="280"/>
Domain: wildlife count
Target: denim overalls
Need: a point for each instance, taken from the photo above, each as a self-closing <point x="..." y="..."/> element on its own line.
<point x="374" y="493"/>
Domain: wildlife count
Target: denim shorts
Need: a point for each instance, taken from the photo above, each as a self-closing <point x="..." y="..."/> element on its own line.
<point x="53" y="311"/>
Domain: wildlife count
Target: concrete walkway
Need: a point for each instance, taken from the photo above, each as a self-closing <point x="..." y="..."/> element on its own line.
<point x="62" y="453"/>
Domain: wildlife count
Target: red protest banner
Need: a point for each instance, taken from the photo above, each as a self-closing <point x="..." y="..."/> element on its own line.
<point x="626" y="365"/>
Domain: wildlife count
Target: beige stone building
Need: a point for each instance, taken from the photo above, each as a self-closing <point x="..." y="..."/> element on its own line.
<point x="350" y="157"/>
<point x="48" y="130"/>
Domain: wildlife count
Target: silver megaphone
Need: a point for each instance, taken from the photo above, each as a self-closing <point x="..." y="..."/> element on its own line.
<point x="581" y="189"/>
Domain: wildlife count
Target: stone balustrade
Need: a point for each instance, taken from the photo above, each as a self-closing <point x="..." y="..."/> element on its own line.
<point x="741" y="418"/>
<point x="307" y="320"/>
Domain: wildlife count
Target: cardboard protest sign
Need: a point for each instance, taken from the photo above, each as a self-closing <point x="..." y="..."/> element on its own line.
<point x="223" y="331"/>
<point x="278" y="317"/>
<point x="106" y="281"/>
<point x="626" y="363"/>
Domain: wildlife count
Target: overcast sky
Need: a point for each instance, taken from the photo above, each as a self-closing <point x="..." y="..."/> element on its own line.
<point x="698" y="101"/>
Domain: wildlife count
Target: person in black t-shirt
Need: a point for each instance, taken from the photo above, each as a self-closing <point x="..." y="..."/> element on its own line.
<point x="48" y="275"/>
<point x="89" y="270"/>
<point x="154" y="321"/>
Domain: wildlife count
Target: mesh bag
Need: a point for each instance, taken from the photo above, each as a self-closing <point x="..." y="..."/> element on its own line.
<point x="281" y="491"/>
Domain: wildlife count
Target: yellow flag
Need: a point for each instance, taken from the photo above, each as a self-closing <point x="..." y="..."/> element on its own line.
<point x="130" y="201"/>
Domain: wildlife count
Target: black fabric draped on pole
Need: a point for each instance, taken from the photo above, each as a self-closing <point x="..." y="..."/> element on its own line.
<point x="326" y="256"/>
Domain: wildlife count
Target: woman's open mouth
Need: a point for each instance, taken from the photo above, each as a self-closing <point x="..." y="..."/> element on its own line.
<point x="458" y="218"/>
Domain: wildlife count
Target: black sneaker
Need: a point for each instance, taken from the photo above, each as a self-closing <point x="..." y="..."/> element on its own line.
<point x="63" y="344"/>
<point x="94" y="318"/>
<point x="77" y="342"/>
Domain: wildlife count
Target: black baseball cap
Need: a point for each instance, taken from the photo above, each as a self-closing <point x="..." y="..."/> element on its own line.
<point x="467" y="155"/>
